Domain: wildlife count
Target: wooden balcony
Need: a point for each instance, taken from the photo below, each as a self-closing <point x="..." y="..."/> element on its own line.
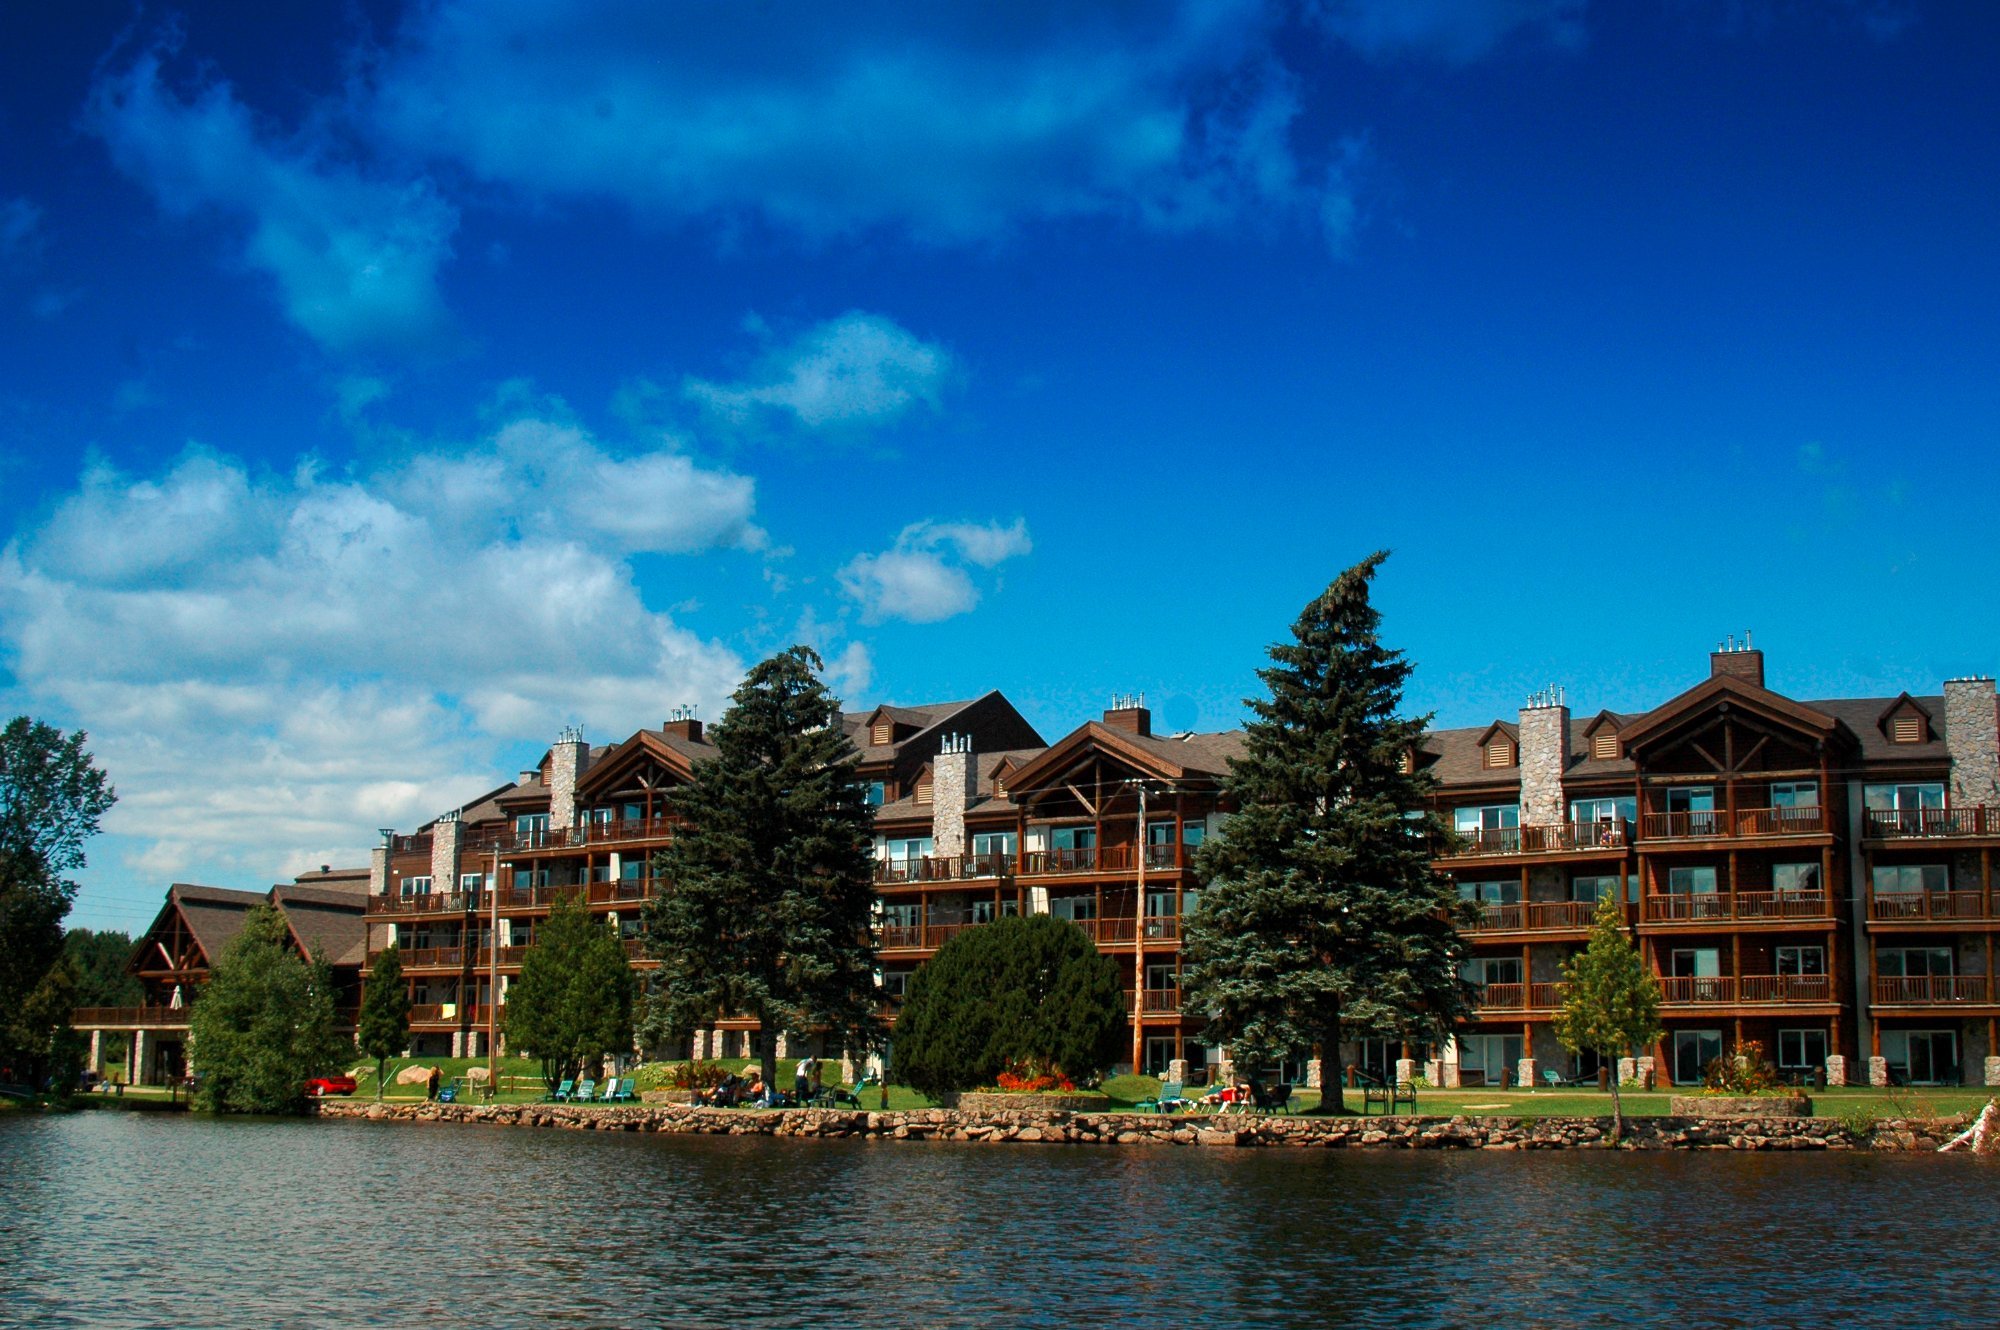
<point x="1104" y="859"/>
<point x="1158" y="1001"/>
<point x="945" y="868"/>
<point x="1932" y="990"/>
<point x="588" y="836"/>
<point x="621" y="892"/>
<point x="1745" y="823"/>
<point x="1931" y="823"/>
<point x="1746" y="990"/>
<point x="1922" y="907"/>
<point x="1535" y="916"/>
<point x="1112" y="930"/>
<point x="442" y="902"/>
<point x="1499" y="999"/>
<point x="1582" y="839"/>
<point x="129" y="1018"/>
<point x="449" y="1015"/>
<point x="1727" y="907"/>
<point x="436" y="958"/>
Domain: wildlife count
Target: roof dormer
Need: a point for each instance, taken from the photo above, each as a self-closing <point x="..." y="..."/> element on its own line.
<point x="1600" y="738"/>
<point x="1499" y="747"/>
<point x="1906" y="722"/>
<point x="1001" y="774"/>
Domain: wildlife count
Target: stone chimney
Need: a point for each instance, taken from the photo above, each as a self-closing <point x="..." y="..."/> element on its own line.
<point x="567" y="760"/>
<point x="378" y="871"/>
<point x="683" y="725"/>
<point x="1972" y="737"/>
<point x="447" y="835"/>
<point x="1129" y="713"/>
<point x="1743" y="662"/>
<point x="1544" y="757"/>
<point x="951" y="791"/>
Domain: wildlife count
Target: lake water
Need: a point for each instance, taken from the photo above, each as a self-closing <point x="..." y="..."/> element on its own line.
<point x="128" y="1219"/>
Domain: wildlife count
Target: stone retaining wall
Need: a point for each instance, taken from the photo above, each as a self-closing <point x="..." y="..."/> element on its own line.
<point x="1237" y="1130"/>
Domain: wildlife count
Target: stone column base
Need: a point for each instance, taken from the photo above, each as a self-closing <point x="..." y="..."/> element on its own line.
<point x="1836" y="1069"/>
<point x="1225" y="1071"/>
<point x="782" y="1048"/>
<point x="1313" y="1081"/>
<point x="1434" y="1072"/>
<point x="1177" y="1070"/>
<point x="1878" y="1072"/>
<point x="1993" y="1071"/>
<point x="458" y="1044"/>
<point x="1628" y="1070"/>
<point x="1406" y="1069"/>
<point x="1526" y="1073"/>
<point x="1647" y="1073"/>
<point x="1448" y="1076"/>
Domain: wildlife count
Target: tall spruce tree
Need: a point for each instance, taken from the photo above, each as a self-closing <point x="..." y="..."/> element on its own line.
<point x="573" y="1002"/>
<point x="383" y="1029"/>
<point x="1321" y="914"/>
<point x="1610" y="1002"/>
<point x="766" y="896"/>
<point x="263" y="1024"/>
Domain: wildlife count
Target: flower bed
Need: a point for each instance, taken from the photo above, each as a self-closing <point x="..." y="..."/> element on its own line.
<point x="1011" y="1101"/>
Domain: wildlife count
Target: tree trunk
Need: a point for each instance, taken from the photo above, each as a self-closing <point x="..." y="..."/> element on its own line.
<point x="381" y="1065"/>
<point x="1617" y="1108"/>
<point x="1332" y="1087"/>
<point x="767" y="1062"/>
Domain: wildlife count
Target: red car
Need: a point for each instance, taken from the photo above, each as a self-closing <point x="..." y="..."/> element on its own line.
<point x="324" y="1085"/>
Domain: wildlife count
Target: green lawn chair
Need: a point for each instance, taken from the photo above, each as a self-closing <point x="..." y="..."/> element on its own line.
<point x="562" y="1093"/>
<point x="1166" y="1101"/>
<point x="622" y="1091"/>
<point x="584" y="1092"/>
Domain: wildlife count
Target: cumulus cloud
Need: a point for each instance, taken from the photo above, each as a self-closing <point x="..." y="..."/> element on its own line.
<point x="855" y="370"/>
<point x="1456" y="31"/>
<point x="274" y="665"/>
<point x="355" y="257"/>
<point x="949" y="123"/>
<point x="923" y="577"/>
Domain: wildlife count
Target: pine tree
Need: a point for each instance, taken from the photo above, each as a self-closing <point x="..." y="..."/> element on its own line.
<point x="1321" y="914"/>
<point x="1030" y="995"/>
<point x="1610" y="1003"/>
<point x="573" y="1001"/>
<point x="766" y="901"/>
<point x="264" y="1023"/>
<point x="383" y="1030"/>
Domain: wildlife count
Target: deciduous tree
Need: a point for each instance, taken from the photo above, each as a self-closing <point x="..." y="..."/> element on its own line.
<point x="766" y="892"/>
<point x="1610" y="1002"/>
<point x="1321" y="914"/>
<point x="573" y="1002"/>
<point x="1031" y="995"/>
<point x="383" y="1029"/>
<point x="264" y="1023"/>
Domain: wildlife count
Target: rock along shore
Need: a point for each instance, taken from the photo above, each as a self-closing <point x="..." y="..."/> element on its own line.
<point x="1062" y="1127"/>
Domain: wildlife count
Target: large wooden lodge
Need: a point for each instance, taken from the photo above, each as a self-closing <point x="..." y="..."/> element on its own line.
<point x="1814" y="876"/>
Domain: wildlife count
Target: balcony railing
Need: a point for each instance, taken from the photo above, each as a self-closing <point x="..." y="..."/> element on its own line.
<point x="448" y="1013"/>
<point x="440" y="902"/>
<point x="1677" y="907"/>
<point x="623" y="890"/>
<point x="1112" y="929"/>
<point x="1488" y="998"/>
<point x="1917" y="906"/>
<point x="1717" y="823"/>
<point x="1927" y="823"/>
<point x="1526" y="916"/>
<point x="165" y="1017"/>
<point x="1783" y="905"/>
<point x="1610" y="834"/>
<point x="1160" y="1000"/>
<point x="1931" y="990"/>
<point x="420" y="958"/>
<point x="1686" y="906"/>
<point x="1711" y="990"/>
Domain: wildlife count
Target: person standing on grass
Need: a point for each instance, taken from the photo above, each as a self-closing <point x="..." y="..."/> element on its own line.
<point x="802" y="1079"/>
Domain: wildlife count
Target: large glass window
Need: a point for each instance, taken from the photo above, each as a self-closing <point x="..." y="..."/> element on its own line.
<point x="877" y="793"/>
<point x="1491" y="893"/>
<point x="1903" y="798"/>
<point x="1922" y="1057"/>
<point x="1604" y="810"/>
<point x="1913" y="962"/>
<point x="903" y="850"/>
<point x="1593" y="888"/>
<point x="1073" y="907"/>
<point x="1801" y="960"/>
<point x="416" y="886"/>
<point x="1911" y="877"/>
<point x="1486" y="817"/>
<point x="1072" y="838"/>
<point x="1801" y="1050"/>
<point x="1795" y="794"/>
<point x="1484" y="970"/>
<point x="1795" y="879"/>
<point x="1698" y="880"/>
<point x="532" y="828"/>
<point x="1693" y="1051"/>
<point x="899" y="914"/>
<point x="1692" y="811"/>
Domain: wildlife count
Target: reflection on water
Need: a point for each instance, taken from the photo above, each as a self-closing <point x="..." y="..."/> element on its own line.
<point x="115" y="1219"/>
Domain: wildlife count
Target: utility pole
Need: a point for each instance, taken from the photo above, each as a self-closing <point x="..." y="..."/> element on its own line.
<point x="1139" y="945"/>
<point x="493" y="977"/>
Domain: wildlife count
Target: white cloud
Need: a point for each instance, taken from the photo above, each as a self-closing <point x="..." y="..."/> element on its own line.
<point x="271" y="666"/>
<point x="948" y="123"/>
<point x="855" y="370"/>
<point x="922" y="578"/>
<point x="355" y="258"/>
<point x="1456" y="31"/>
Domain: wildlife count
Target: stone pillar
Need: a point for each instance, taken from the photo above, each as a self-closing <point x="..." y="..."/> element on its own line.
<point x="1992" y="1071"/>
<point x="1972" y="737"/>
<point x="1434" y="1072"/>
<point x="378" y="871"/>
<point x="1406" y="1069"/>
<point x="1628" y="1070"/>
<point x="1225" y="1070"/>
<point x="567" y="760"/>
<point x="1647" y="1073"/>
<point x="96" y="1062"/>
<point x="951" y="790"/>
<point x="458" y="1044"/>
<point x="1836" y="1069"/>
<point x="781" y="1046"/>
<point x="142" y="1057"/>
<point x="1526" y="1073"/>
<point x="447" y="835"/>
<point x="1544" y="755"/>
<point x="700" y="1051"/>
<point x="847" y="1069"/>
<point x="1313" y="1081"/>
<point x="1878" y="1072"/>
<point x="1448" y="1078"/>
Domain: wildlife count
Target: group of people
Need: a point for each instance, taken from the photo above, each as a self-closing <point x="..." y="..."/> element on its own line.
<point x="734" y="1091"/>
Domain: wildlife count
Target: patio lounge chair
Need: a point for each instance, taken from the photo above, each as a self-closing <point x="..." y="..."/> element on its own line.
<point x="1555" y="1080"/>
<point x="584" y="1092"/>
<point x="1166" y="1101"/>
<point x="1276" y="1099"/>
<point x="562" y="1092"/>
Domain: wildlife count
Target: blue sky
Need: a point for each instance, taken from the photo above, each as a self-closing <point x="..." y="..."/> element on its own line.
<point x="384" y="389"/>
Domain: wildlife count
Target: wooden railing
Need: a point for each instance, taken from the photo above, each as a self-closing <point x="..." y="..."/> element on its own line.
<point x="1159" y="999"/>
<point x="1930" y="990"/>
<point x="1717" y="823"/>
<point x="1783" y="905"/>
<point x="441" y="902"/>
<point x="1709" y="990"/>
<point x="435" y="1013"/>
<point x="419" y="958"/>
<point x="1685" y="906"/>
<point x="1524" y="916"/>
<point x="1610" y="834"/>
<point x="1516" y="997"/>
<point x="1921" y="905"/>
<point x="167" y="1017"/>
<point x="1920" y="823"/>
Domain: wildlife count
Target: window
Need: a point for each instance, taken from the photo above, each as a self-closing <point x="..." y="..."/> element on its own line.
<point x="472" y="883"/>
<point x="1911" y="877"/>
<point x="1072" y="838"/>
<point x="1907" y="728"/>
<point x="1693" y="1051"/>
<point x="1407" y="763"/>
<point x="1913" y="962"/>
<point x="1795" y="879"/>
<point x="1604" y="745"/>
<point x="631" y="868"/>
<point x="896" y="983"/>
<point x="1801" y="960"/>
<point x="910" y="848"/>
<point x="877" y="794"/>
<point x="1491" y="893"/>
<point x="1499" y="753"/>
<point x="532" y="828"/>
<point x="1692" y="810"/>
<point x="1697" y="963"/>
<point x="1488" y="1059"/>
<point x="1593" y="888"/>
<point x="999" y="843"/>
<point x="530" y="877"/>
<point x="924" y="791"/>
<point x="1587" y="811"/>
<point x="1193" y="833"/>
<point x="416" y="886"/>
<point x="881" y="732"/>
<point x="1162" y="977"/>
<point x="1903" y="798"/>
<point x="899" y="914"/>
<point x="1795" y="794"/>
<point x="597" y="817"/>
<point x="1800" y="1050"/>
<point x="1696" y="881"/>
<point x="1922" y="1057"/>
<point x="1484" y="970"/>
<point x="1489" y="825"/>
<point x="1073" y="907"/>
<point x="999" y="785"/>
<point x="983" y="912"/>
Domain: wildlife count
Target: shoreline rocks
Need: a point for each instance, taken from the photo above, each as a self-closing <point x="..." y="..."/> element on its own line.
<point x="1235" y="1131"/>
